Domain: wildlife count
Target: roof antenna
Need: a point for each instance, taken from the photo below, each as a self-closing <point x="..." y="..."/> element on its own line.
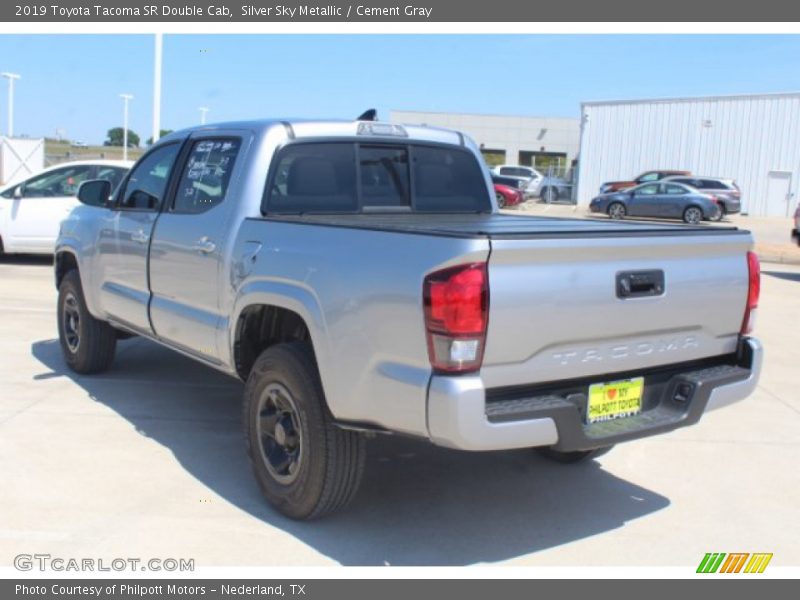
<point x="368" y="115"/>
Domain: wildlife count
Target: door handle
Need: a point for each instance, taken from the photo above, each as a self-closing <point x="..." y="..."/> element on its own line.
<point x="140" y="236"/>
<point x="205" y="246"/>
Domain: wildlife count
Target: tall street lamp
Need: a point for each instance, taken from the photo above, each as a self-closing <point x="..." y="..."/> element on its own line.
<point x="203" y="110"/>
<point x="125" y="99"/>
<point x="159" y="41"/>
<point x="11" y="78"/>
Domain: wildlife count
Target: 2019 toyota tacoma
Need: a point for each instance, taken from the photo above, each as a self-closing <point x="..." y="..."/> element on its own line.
<point x="359" y="277"/>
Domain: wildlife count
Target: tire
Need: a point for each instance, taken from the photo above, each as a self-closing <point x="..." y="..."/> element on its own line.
<point x="617" y="210"/>
<point x="720" y="213"/>
<point x="501" y="200"/>
<point x="549" y="194"/>
<point x="692" y="215"/>
<point x="573" y="457"/>
<point x="305" y="465"/>
<point x="87" y="344"/>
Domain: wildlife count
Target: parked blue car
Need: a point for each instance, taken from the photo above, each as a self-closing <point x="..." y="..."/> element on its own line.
<point x="663" y="200"/>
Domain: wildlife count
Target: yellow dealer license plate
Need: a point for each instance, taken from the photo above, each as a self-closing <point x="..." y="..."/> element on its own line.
<point x="614" y="400"/>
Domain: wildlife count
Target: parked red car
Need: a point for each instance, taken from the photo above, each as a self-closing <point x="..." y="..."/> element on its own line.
<point x="507" y="196"/>
<point x="615" y="186"/>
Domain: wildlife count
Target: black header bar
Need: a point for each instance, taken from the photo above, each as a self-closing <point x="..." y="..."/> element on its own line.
<point x="265" y="11"/>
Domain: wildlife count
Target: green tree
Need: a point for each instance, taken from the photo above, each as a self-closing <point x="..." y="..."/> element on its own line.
<point x="115" y="137"/>
<point x="164" y="132"/>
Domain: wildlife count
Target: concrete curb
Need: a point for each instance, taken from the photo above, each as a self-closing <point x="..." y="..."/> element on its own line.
<point x="772" y="255"/>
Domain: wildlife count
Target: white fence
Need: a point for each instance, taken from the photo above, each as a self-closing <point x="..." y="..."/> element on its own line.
<point x="20" y="158"/>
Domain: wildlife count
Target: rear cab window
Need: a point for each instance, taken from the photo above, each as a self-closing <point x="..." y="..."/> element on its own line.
<point x="345" y="177"/>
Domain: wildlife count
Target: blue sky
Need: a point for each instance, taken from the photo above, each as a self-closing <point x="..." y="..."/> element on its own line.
<point x="73" y="82"/>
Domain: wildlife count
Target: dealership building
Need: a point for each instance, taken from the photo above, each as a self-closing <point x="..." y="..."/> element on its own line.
<point x="754" y="139"/>
<point x="534" y="141"/>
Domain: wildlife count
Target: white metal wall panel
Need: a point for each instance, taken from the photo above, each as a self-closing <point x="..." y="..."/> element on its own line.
<point x="743" y="137"/>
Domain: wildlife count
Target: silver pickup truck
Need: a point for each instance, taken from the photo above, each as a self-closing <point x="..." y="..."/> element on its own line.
<point x="358" y="277"/>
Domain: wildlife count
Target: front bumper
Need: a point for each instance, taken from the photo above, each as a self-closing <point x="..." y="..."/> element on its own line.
<point x="462" y="414"/>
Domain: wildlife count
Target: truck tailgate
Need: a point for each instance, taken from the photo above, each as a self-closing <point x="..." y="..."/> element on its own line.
<point x="556" y="311"/>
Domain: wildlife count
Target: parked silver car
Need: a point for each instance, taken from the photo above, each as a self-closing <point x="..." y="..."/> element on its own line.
<point x="667" y="200"/>
<point x="723" y="188"/>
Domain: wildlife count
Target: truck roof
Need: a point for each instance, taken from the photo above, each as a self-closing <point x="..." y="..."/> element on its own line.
<point x="309" y="128"/>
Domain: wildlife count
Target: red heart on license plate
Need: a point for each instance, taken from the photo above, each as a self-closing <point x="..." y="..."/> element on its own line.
<point x="611" y="393"/>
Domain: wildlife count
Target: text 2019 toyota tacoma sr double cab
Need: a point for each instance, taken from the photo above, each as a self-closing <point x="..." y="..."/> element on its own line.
<point x="358" y="277"/>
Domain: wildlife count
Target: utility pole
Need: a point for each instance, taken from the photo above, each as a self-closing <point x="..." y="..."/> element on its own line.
<point x="125" y="99"/>
<point x="11" y="78"/>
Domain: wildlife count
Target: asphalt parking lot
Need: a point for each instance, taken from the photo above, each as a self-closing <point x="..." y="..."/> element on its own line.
<point x="147" y="460"/>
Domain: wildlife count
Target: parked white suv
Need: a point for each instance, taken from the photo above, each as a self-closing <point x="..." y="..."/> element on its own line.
<point x="535" y="179"/>
<point x="31" y="211"/>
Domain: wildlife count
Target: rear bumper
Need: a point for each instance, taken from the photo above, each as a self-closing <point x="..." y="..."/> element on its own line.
<point x="460" y="416"/>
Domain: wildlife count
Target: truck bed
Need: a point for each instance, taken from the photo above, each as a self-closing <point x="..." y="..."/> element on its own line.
<point x="503" y="226"/>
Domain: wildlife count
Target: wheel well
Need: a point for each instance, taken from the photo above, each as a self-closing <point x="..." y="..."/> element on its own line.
<point x="65" y="262"/>
<point x="259" y="327"/>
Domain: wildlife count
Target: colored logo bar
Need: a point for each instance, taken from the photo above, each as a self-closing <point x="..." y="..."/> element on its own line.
<point x="734" y="562"/>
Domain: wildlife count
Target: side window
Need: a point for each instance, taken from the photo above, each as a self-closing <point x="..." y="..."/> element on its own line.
<point x="314" y="178"/>
<point x="644" y="178"/>
<point x="113" y="175"/>
<point x="673" y="190"/>
<point x="205" y="178"/>
<point x="647" y="190"/>
<point x="148" y="181"/>
<point x="710" y="184"/>
<point x="384" y="176"/>
<point x="61" y="182"/>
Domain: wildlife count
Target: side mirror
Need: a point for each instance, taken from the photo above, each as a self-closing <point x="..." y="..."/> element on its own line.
<point x="94" y="192"/>
<point x="17" y="192"/>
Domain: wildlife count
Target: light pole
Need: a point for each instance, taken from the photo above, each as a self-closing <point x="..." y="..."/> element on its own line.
<point x="125" y="99"/>
<point x="203" y="110"/>
<point x="11" y="78"/>
<point x="157" y="87"/>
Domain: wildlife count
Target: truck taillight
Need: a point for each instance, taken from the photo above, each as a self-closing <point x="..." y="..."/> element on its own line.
<point x="753" y="292"/>
<point x="456" y="304"/>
